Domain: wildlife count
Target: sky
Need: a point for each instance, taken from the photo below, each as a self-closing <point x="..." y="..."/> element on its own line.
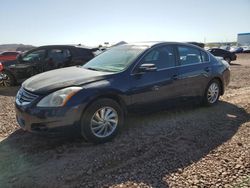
<point x="93" y="22"/>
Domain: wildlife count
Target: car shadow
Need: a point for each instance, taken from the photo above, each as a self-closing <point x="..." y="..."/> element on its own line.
<point x="9" y="91"/>
<point x="235" y="64"/>
<point x="150" y="147"/>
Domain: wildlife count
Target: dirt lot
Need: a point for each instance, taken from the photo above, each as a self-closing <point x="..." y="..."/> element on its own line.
<point x="188" y="147"/>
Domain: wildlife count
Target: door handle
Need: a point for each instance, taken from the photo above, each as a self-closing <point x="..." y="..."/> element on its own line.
<point x="175" y="77"/>
<point x="155" y="88"/>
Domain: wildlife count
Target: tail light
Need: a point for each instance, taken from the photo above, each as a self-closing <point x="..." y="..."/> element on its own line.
<point x="1" y="66"/>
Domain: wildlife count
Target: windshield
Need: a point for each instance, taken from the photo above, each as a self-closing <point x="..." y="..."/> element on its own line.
<point x="115" y="59"/>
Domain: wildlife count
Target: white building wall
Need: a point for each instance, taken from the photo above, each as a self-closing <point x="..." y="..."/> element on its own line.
<point x="243" y="39"/>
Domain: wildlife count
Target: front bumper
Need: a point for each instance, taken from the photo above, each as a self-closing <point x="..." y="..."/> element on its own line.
<point x="36" y="119"/>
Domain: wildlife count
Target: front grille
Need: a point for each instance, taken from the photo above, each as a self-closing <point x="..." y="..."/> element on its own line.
<point x="25" y="97"/>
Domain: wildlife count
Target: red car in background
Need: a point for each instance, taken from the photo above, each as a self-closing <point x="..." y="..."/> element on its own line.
<point x="8" y="55"/>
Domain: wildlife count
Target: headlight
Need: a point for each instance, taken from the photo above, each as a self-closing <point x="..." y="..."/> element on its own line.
<point x="1" y="66"/>
<point x="58" y="98"/>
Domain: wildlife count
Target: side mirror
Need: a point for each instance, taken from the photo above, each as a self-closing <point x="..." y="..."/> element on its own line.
<point x="146" y="67"/>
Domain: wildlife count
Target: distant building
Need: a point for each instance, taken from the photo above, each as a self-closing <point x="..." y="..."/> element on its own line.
<point x="243" y="39"/>
<point x="120" y="43"/>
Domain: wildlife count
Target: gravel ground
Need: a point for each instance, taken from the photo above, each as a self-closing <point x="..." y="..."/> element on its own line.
<point x="186" y="147"/>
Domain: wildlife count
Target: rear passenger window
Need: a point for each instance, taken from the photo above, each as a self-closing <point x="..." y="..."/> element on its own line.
<point x="189" y="55"/>
<point x="83" y="52"/>
<point x="59" y="54"/>
<point x="204" y="56"/>
<point x="162" y="57"/>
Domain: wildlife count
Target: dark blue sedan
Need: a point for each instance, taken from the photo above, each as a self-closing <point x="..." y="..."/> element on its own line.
<point x="96" y="97"/>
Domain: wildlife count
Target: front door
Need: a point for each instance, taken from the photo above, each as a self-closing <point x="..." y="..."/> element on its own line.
<point x="157" y="86"/>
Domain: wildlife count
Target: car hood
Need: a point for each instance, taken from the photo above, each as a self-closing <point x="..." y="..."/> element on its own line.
<point x="61" y="78"/>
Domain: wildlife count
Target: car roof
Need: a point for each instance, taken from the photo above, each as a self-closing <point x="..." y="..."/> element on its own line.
<point x="151" y="44"/>
<point x="64" y="46"/>
<point x="9" y="51"/>
<point x="217" y="49"/>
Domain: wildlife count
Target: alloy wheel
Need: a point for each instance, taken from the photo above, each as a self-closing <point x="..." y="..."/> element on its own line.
<point x="104" y="122"/>
<point x="213" y="93"/>
<point x="6" y="81"/>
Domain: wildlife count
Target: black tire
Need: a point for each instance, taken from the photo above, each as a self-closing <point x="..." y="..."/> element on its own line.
<point x="208" y="100"/>
<point x="228" y="59"/>
<point x="86" y="122"/>
<point x="9" y="79"/>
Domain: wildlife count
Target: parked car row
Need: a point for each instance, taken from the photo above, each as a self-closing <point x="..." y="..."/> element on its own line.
<point x="94" y="98"/>
<point x="246" y="49"/>
<point x="226" y="55"/>
<point x="236" y="49"/>
<point x="42" y="59"/>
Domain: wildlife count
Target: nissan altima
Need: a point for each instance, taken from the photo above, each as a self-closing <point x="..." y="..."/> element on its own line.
<point x="96" y="97"/>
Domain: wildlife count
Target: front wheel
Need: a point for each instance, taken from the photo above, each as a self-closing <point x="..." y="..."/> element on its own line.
<point x="7" y="79"/>
<point x="212" y="92"/>
<point x="101" y="121"/>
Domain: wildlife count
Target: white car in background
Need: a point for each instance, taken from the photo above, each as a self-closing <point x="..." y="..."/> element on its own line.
<point x="246" y="49"/>
<point x="225" y="48"/>
<point x="236" y="49"/>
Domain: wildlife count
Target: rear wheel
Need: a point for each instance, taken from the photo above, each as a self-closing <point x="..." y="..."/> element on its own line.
<point x="212" y="93"/>
<point x="101" y="121"/>
<point x="7" y="79"/>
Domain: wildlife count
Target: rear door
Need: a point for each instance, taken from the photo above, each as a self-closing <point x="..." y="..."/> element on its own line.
<point x="194" y="71"/>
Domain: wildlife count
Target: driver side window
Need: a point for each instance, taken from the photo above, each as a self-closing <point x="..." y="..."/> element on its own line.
<point x="35" y="56"/>
<point x="162" y="57"/>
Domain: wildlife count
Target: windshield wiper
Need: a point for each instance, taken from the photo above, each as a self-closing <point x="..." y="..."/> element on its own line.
<point x="94" y="69"/>
<point x="90" y="68"/>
